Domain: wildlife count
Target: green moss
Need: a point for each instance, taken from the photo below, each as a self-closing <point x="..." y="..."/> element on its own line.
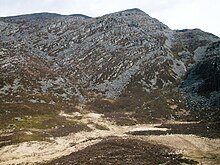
<point x="34" y="122"/>
<point x="38" y="128"/>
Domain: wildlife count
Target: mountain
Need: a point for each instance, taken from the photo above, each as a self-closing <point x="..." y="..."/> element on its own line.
<point x="202" y="83"/>
<point x="121" y="62"/>
<point x="106" y="77"/>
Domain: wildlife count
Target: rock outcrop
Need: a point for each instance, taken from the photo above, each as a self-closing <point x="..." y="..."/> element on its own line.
<point x="47" y="57"/>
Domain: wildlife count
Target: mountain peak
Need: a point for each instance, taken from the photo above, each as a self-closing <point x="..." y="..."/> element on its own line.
<point x="134" y="10"/>
<point x="129" y="12"/>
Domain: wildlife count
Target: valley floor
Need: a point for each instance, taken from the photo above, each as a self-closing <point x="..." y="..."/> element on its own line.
<point x="108" y="143"/>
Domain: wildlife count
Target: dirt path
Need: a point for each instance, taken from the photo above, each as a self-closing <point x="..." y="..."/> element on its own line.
<point x="40" y="152"/>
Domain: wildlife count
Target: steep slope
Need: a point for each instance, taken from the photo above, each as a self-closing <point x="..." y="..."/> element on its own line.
<point x="68" y="84"/>
<point x="133" y="60"/>
<point x="202" y="84"/>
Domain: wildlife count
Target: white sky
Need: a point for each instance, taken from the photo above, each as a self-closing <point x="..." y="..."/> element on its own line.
<point x="177" y="14"/>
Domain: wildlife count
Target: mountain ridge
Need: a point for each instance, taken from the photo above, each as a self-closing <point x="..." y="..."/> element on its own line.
<point x="72" y="84"/>
<point x="126" y="57"/>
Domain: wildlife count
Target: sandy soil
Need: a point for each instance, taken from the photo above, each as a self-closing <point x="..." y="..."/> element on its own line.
<point x="200" y="149"/>
<point x="40" y="152"/>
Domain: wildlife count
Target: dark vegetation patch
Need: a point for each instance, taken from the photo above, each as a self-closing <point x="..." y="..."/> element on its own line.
<point x="135" y="106"/>
<point x="203" y="129"/>
<point x="40" y="128"/>
<point x="202" y="84"/>
<point x="18" y="136"/>
<point x="123" y="151"/>
<point x="35" y="122"/>
<point x="209" y="114"/>
<point x="64" y="130"/>
<point x="10" y="111"/>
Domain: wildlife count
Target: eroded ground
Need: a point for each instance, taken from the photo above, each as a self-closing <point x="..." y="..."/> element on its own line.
<point x="105" y="142"/>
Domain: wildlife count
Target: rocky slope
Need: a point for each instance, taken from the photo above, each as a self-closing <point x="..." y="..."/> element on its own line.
<point x="127" y="65"/>
<point x="68" y="84"/>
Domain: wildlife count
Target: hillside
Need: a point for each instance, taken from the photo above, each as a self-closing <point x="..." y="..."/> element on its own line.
<point x="126" y="66"/>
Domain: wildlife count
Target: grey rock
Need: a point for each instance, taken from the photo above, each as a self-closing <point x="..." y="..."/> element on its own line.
<point x="71" y="56"/>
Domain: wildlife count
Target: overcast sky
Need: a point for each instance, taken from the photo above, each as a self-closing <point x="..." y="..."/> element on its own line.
<point x="177" y="14"/>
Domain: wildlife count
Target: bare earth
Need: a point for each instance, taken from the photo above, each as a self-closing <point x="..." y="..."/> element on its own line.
<point x="201" y="149"/>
